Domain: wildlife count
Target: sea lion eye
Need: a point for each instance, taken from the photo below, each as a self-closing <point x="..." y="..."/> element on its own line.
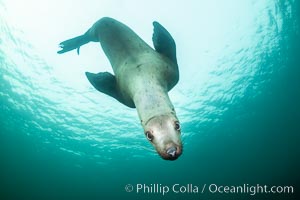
<point x="177" y="126"/>
<point x="149" y="136"/>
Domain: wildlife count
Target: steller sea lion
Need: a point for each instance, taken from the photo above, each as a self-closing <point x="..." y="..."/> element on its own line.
<point x="142" y="78"/>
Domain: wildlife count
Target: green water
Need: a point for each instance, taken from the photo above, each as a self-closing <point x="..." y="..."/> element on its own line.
<point x="238" y="100"/>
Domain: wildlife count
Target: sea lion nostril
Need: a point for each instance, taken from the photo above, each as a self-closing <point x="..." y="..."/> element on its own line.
<point x="172" y="151"/>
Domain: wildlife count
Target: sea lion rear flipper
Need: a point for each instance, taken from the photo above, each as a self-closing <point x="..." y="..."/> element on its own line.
<point x="163" y="42"/>
<point x="106" y="83"/>
<point x="75" y="43"/>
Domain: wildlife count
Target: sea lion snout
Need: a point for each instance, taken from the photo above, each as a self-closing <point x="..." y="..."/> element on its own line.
<point x="172" y="151"/>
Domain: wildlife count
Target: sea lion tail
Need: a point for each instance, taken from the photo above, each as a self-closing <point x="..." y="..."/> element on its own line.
<point x="74" y="43"/>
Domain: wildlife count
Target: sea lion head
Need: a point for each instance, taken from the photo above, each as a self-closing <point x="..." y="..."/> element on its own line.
<point x="164" y="133"/>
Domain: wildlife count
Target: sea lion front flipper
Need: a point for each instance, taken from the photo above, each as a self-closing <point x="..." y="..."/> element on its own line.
<point x="163" y="42"/>
<point x="106" y="83"/>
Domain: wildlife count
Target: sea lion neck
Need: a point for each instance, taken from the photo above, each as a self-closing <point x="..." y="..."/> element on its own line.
<point x="153" y="101"/>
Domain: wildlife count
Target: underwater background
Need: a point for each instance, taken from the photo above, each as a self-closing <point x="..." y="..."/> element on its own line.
<point x="238" y="100"/>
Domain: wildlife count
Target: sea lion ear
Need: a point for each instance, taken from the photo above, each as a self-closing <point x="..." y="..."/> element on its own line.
<point x="163" y="42"/>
